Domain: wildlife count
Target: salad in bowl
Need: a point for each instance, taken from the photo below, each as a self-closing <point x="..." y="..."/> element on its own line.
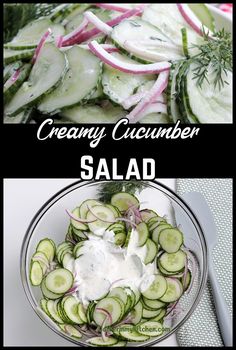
<point x="122" y="275"/>
<point x="98" y="63"/>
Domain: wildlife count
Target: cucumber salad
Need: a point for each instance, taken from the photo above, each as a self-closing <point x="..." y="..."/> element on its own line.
<point x="98" y="63"/>
<point x="118" y="276"/>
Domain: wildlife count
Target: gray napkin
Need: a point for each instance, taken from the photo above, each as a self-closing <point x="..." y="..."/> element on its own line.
<point x="202" y="329"/>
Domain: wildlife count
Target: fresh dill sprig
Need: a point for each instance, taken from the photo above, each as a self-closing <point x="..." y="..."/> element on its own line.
<point x="108" y="189"/>
<point x="215" y="53"/>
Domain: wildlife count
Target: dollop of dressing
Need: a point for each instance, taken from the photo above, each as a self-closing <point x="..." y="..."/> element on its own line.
<point x="102" y="265"/>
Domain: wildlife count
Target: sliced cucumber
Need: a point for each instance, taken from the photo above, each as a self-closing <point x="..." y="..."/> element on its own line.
<point x="140" y="30"/>
<point x="124" y="201"/>
<point x="147" y="214"/>
<point x="152" y="251"/>
<point x="47" y="293"/>
<point x="83" y="67"/>
<point x="129" y="332"/>
<point x="204" y="15"/>
<point x="42" y="259"/>
<point x="174" y="290"/>
<point x="111" y="305"/>
<point x="70" y="307"/>
<point x="120" y="239"/>
<point x="104" y="217"/>
<point x="84" y="207"/>
<point x="90" y="114"/>
<point x="36" y="273"/>
<point x="157" y="230"/>
<point x="171" y="240"/>
<point x="98" y="341"/>
<point x="186" y="281"/>
<point x="157" y="288"/>
<point x="47" y="247"/>
<point x="72" y="331"/>
<point x="11" y="85"/>
<point x="52" y="310"/>
<point x="10" y="69"/>
<point x="115" y="211"/>
<point x="160" y="316"/>
<point x="43" y="304"/>
<point x="154" y="304"/>
<point x="59" y="281"/>
<point x="118" y="85"/>
<point x="120" y="293"/>
<point x="10" y="56"/>
<point x="163" y="271"/>
<point x="173" y="262"/>
<point x="136" y="313"/>
<point x="47" y="72"/>
<point x="76" y="224"/>
<point x="143" y="233"/>
<point x="150" y="328"/>
<point x="150" y="313"/>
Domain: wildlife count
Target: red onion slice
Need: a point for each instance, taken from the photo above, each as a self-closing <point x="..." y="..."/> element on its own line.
<point x="114" y="62"/>
<point x="77" y="219"/>
<point x="99" y="24"/>
<point x="41" y="44"/>
<point x="59" y="41"/>
<point x="113" y="22"/>
<point x="154" y="108"/>
<point x="157" y="89"/>
<point x="191" y="19"/>
<point x="106" y="313"/>
<point x="71" y="37"/>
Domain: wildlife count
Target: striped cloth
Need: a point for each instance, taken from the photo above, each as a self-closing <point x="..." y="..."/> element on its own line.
<point x="201" y="329"/>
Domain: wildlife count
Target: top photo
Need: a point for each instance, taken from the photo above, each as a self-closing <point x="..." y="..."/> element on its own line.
<point x="97" y="63"/>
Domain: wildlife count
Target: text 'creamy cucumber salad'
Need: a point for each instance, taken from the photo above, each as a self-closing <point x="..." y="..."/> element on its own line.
<point x="118" y="276"/>
<point x="98" y="63"/>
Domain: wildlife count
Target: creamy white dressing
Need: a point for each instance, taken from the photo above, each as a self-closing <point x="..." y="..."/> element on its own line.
<point x="103" y="265"/>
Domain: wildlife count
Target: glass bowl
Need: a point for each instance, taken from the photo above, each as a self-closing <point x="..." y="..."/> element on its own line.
<point x="51" y="221"/>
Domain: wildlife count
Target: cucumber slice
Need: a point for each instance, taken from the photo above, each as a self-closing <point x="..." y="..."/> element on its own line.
<point x="45" y="246"/>
<point x="157" y="230"/>
<point x="70" y="307"/>
<point x="104" y="217"/>
<point x="129" y="332"/>
<point x="43" y="305"/>
<point x="154" y="304"/>
<point x="136" y="313"/>
<point x="115" y="211"/>
<point x="120" y="239"/>
<point x="10" y="69"/>
<point x="78" y="234"/>
<point x="165" y="272"/>
<point x="76" y="250"/>
<point x="141" y="30"/>
<point x="84" y="207"/>
<point x="10" y="56"/>
<point x="59" y="281"/>
<point x="124" y="201"/>
<point x="83" y="66"/>
<point x="150" y="328"/>
<point x="187" y="280"/>
<point x="204" y="15"/>
<point x="173" y="262"/>
<point x="171" y="240"/>
<point x="98" y="341"/>
<point x="36" y="273"/>
<point x="147" y="214"/>
<point x="152" y="251"/>
<point x="157" y="288"/>
<point x="143" y="233"/>
<point x="42" y="260"/>
<point x="155" y="118"/>
<point x="78" y="225"/>
<point x="47" y="293"/>
<point x="173" y="292"/>
<point x="90" y="114"/>
<point x="120" y="343"/>
<point x="52" y="310"/>
<point x="72" y="331"/>
<point x="47" y="72"/>
<point x="82" y="313"/>
<point x="136" y="293"/>
<point x="172" y="105"/>
<point x="119" y="86"/>
<point x="111" y="305"/>
<point x="150" y="313"/>
<point x="160" y="316"/>
<point x="119" y="293"/>
<point x="11" y="86"/>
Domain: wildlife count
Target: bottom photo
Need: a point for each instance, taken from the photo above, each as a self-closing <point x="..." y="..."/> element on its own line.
<point x="118" y="263"/>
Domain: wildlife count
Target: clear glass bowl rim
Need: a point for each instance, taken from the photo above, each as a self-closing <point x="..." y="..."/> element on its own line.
<point x="80" y="183"/>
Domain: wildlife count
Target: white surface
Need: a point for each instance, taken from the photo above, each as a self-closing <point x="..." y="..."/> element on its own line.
<point x="22" y="199"/>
